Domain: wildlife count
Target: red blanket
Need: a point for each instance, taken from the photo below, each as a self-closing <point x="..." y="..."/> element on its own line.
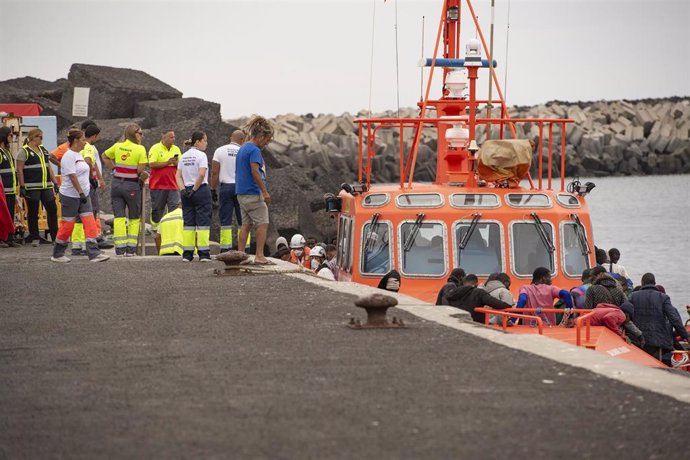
<point x="6" y="219"/>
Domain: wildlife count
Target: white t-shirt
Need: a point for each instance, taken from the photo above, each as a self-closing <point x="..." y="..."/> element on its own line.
<point x="190" y="163"/>
<point x="225" y="156"/>
<point x="73" y="163"/>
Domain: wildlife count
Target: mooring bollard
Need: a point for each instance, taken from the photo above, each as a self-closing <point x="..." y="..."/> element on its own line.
<point x="376" y="306"/>
<point x="232" y="260"/>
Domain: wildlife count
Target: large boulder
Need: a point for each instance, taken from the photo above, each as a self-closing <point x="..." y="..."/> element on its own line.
<point x="29" y="90"/>
<point x="167" y="112"/>
<point x="115" y="92"/>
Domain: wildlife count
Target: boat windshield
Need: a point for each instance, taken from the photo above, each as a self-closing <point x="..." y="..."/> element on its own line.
<point x="529" y="250"/>
<point x="481" y="253"/>
<point x="574" y="250"/>
<point x="425" y="254"/>
<point x="376" y="254"/>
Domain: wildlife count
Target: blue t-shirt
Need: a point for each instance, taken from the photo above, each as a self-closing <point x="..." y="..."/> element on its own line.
<point x="244" y="182"/>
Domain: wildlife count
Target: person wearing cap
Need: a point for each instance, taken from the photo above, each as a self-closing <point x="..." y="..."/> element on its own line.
<point x="74" y="199"/>
<point x="128" y="159"/>
<point x="197" y="207"/>
<point x="318" y="263"/>
<point x="37" y="184"/>
<point x="163" y="158"/>
<point x="8" y="176"/>
<point x="281" y="242"/>
<point x="223" y="173"/>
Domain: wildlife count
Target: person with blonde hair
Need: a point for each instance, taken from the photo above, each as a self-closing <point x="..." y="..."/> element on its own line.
<point x="37" y="184"/>
<point x="128" y="159"/>
<point x="250" y="187"/>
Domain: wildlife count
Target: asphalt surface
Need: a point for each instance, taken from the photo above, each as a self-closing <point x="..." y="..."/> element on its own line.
<point x="160" y="359"/>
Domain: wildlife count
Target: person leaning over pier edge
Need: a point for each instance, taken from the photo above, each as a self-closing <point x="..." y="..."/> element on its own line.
<point x="129" y="160"/>
<point x="252" y="194"/>
<point x="74" y="199"/>
<point x="197" y="208"/>
<point x="37" y="184"/>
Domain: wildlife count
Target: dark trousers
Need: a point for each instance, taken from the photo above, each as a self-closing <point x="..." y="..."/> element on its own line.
<point x="197" y="211"/>
<point x="160" y="200"/>
<point x="228" y="205"/>
<point x="34" y="199"/>
<point x="11" y="202"/>
<point x="662" y="354"/>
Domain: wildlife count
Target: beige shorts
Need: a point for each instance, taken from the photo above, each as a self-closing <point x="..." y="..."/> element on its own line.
<point x="254" y="209"/>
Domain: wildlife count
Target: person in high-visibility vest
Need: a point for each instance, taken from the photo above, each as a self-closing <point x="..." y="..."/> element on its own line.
<point x="8" y="175"/>
<point x="163" y="158"/>
<point x="129" y="160"/>
<point x="37" y="184"/>
<point x="169" y="236"/>
<point x="74" y="198"/>
<point x="192" y="181"/>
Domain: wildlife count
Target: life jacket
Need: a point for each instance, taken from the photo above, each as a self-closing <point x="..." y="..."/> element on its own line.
<point x="8" y="172"/>
<point x="36" y="175"/>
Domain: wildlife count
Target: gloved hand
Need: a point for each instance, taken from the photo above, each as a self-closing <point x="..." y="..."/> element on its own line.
<point x="22" y="191"/>
<point x="187" y="193"/>
<point x="214" y="195"/>
<point x="83" y="198"/>
<point x="56" y="187"/>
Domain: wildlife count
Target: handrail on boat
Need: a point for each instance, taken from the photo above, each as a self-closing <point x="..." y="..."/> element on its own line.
<point x="372" y="125"/>
<point x="578" y="328"/>
<point x="506" y="314"/>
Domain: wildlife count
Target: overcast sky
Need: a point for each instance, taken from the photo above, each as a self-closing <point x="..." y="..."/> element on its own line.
<point x="273" y="57"/>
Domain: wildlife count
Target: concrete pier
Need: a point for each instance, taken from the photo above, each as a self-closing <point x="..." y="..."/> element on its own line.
<point x="153" y="358"/>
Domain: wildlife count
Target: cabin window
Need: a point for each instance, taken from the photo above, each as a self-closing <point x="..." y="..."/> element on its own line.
<point x="478" y="247"/>
<point x="474" y="200"/>
<point x="574" y="249"/>
<point x="344" y="254"/>
<point x="375" y="200"/>
<point x="568" y="201"/>
<point x="528" y="200"/>
<point x="422" y="248"/>
<point x="419" y="200"/>
<point x="376" y="248"/>
<point x="531" y="248"/>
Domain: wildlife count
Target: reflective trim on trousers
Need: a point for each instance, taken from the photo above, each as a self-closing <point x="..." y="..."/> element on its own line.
<point x="33" y="166"/>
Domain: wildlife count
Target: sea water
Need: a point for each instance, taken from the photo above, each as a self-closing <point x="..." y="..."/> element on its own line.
<point x="648" y="219"/>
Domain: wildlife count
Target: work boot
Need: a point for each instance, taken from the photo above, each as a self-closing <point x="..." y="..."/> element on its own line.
<point x="61" y="259"/>
<point x="103" y="244"/>
<point x="100" y="258"/>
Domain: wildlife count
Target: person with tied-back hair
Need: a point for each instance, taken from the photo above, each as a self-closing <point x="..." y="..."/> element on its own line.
<point x="37" y="184"/>
<point x="250" y="188"/>
<point x="129" y="160"/>
<point x="74" y="199"/>
<point x="197" y="208"/>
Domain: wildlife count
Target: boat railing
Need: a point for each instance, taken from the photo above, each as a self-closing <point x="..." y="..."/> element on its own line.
<point x="582" y="322"/>
<point x="587" y="320"/>
<point x="508" y="314"/>
<point x="369" y="127"/>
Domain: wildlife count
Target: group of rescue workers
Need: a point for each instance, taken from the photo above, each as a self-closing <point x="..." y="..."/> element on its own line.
<point x="643" y="316"/>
